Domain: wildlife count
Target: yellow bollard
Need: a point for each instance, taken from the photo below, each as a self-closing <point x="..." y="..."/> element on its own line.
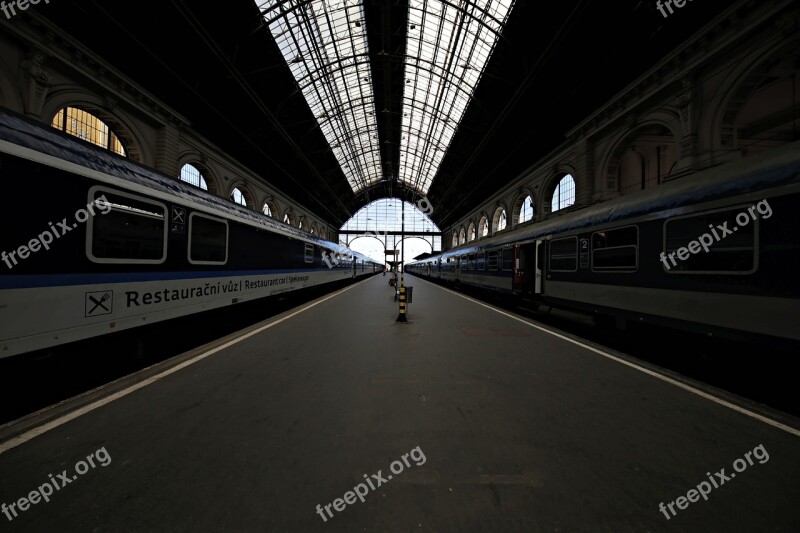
<point x="402" y="316"/>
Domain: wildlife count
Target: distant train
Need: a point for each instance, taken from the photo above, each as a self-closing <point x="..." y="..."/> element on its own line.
<point x="93" y="243"/>
<point x="715" y="252"/>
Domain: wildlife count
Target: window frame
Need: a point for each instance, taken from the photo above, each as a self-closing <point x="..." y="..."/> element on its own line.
<point x="117" y="261"/>
<point x="738" y="209"/>
<point x="502" y="259"/>
<point x="496" y="259"/>
<point x="550" y="254"/>
<point x="308" y="259"/>
<point x="112" y="134"/>
<point x="189" y="225"/>
<point x="614" y="270"/>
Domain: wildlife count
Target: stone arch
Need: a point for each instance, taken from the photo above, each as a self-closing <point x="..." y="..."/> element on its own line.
<point x="273" y="205"/>
<point x="289" y="214"/>
<point x="498" y="213"/>
<point x="196" y="160"/>
<point x="658" y="148"/>
<point x="245" y="190"/>
<point x="776" y="65"/>
<point x="546" y="195"/>
<point x="484" y="225"/>
<point x="521" y="196"/>
<point x="121" y="123"/>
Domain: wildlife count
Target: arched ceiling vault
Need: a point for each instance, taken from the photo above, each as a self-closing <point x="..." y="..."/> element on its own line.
<point x="341" y="102"/>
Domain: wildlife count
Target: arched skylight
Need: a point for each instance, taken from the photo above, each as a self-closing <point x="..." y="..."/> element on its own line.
<point x="386" y="215"/>
<point x="192" y="175"/>
<point x="448" y="45"/>
<point x="447" y="48"/>
<point x="484" y="227"/>
<point x="502" y="220"/>
<point x="88" y="127"/>
<point x="526" y="211"/>
<point x="325" y="46"/>
<point x="564" y="195"/>
<point x="238" y="197"/>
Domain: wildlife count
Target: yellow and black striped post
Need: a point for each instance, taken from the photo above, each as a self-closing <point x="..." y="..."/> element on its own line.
<point x="402" y="316"/>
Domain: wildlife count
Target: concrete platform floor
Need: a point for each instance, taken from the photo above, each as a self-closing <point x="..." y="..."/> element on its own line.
<point x="489" y="423"/>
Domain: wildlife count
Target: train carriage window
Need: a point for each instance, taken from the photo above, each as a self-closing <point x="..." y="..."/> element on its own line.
<point x="308" y="255"/>
<point x="508" y="259"/>
<point x="472" y="262"/>
<point x="208" y="240"/>
<point x="564" y="255"/>
<point x="482" y="261"/>
<point x="492" y="261"/>
<point x="616" y="250"/>
<point x="128" y="229"/>
<point x="464" y="262"/>
<point x="689" y="236"/>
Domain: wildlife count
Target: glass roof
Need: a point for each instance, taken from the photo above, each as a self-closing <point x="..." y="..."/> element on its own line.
<point x="447" y="49"/>
<point x="325" y="46"/>
<point x="386" y="214"/>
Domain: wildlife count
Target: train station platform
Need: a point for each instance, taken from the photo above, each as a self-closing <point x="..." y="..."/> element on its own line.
<point x="334" y="417"/>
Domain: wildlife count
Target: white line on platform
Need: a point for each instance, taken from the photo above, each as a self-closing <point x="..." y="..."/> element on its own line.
<point x="35" y="432"/>
<point x="647" y="371"/>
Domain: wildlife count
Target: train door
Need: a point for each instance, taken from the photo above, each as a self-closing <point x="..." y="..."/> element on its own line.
<point x="527" y="279"/>
<point x="538" y="288"/>
<point x="524" y="262"/>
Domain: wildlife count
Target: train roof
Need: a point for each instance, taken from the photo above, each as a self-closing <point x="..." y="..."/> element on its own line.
<point x="21" y="131"/>
<point x="777" y="167"/>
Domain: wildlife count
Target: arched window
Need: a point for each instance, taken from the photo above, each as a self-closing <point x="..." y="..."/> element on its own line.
<point x="484" y="227"/>
<point x="88" y="127"/>
<point x="238" y="197"/>
<point x="455" y="239"/>
<point x="192" y="175"/>
<point x="287" y="219"/>
<point x="564" y="195"/>
<point x="471" y="231"/>
<point x="462" y="236"/>
<point x="267" y="210"/>
<point x="502" y="220"/>
<point x="526" y="211"/>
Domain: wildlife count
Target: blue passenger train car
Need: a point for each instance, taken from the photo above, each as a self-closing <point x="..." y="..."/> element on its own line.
<point x="107" y="244"/>
<point x="714" y="252"/>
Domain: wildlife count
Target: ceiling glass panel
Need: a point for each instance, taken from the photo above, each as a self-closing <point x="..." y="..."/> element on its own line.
<point x="448" y="45"/>
<point x="447" y="48"/>
<point x="387" y="214"/>
<point x="325" y="45"/>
